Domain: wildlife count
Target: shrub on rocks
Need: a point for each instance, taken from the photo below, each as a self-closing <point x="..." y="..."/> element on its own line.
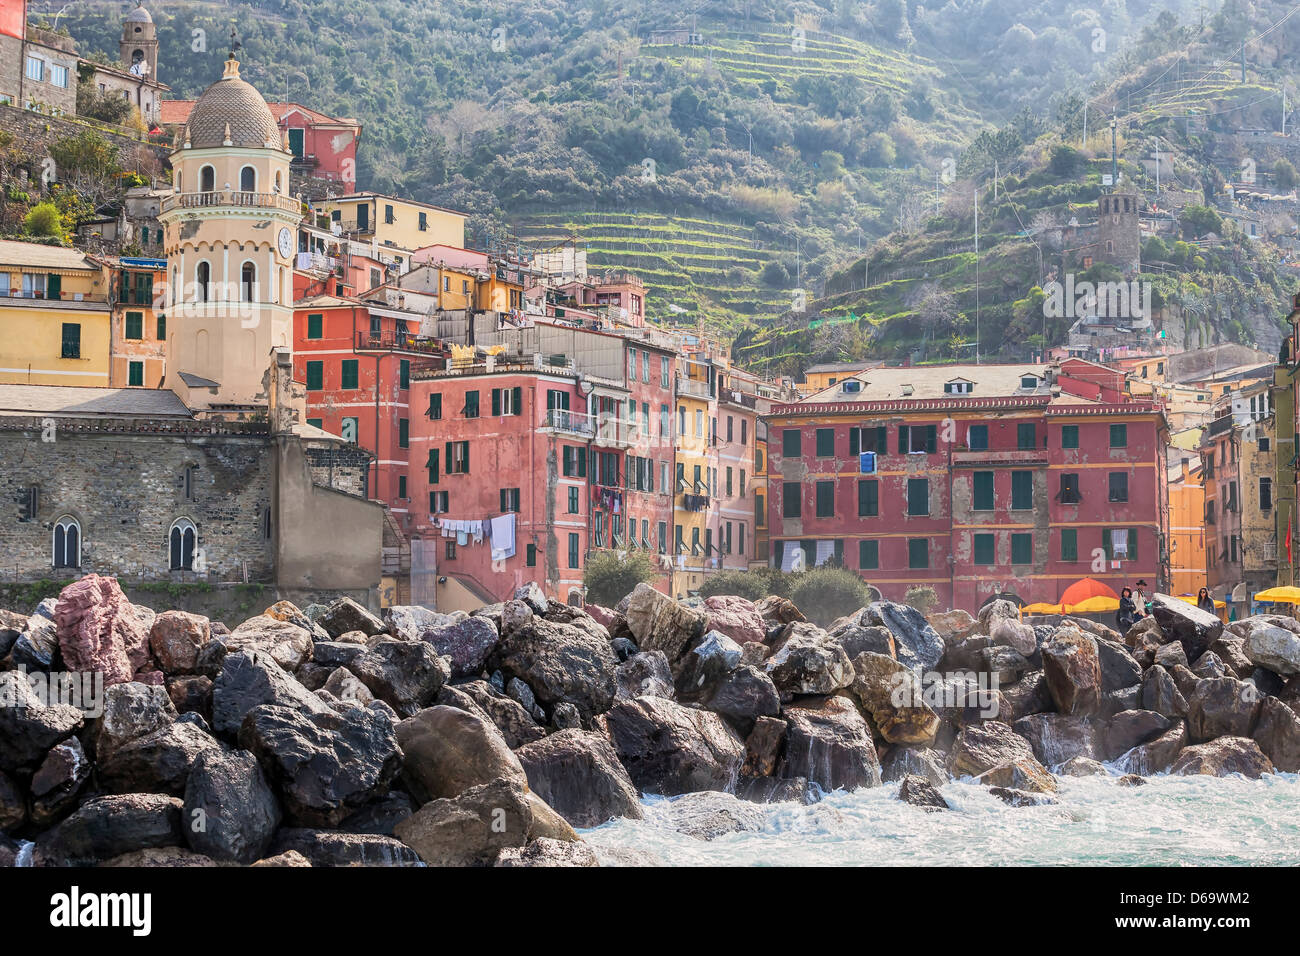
<point x="825" y="593"/>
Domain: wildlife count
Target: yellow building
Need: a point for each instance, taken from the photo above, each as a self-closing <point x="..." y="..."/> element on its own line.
<point x="1186" y="524"/>
<point x="695" y="493"/>
<point x="396" y="225"/>
<point x="54" y="316"/>
<point x="823" y="376"/>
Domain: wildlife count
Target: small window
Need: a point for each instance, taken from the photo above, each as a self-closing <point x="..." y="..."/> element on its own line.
<point x="1265" y="494"/>
<point x="401" y="487"/>
<point x="1069" y="544"/>
<point x="67" y="543"/>
<point x="869" y="555"/>
<point x="1069" y="493"/>
<point x="435" y="406"/>
<point x="315" y="325"/>
<point x="573" y="549"/>
<point x="575" y="505"/>
<point x="1026" y="436"/>
<point x="457" y="457"/>
<point x="868" y="498"/>
<point x="825" y="443"/>
<point x="71" y="345"/>
<point x="509" y="499"/>
<point x="530" y="555"/>
<point x="349" y="374"/>
<point x="181" y="543"/>
<point x="1118" y="436"/>
<point x="982" y="491"/>
<point x="1022" y="490"/>
<point x="826" y="499"/>
<point x="424" y="222"/>
<point x="162" y="328"/>
<point x="451" y="549"/>
<point x="918" y="553"/>
<point x="135" y="325"/>
<point x="403" y="433"/>
<point x="315" y="376"/>
<point x="918" y="496"/>
<point x="983" y="549"/>
<point x="977" y="437"/>
<point x="471" y="405"/>
<point x="792" y="443"/>
<point x="1022" y="548"/>
<point x="438" y="502"/>
<point x="135" y="373"/>
<point x="1069" y="436"/>
<point x="791" y="502"/>
<point x="1118" y="486"/>
<point x="1029" y="381"/>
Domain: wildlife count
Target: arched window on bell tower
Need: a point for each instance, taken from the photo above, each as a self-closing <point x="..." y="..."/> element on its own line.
<point x="248" y="282"/>
<point x="207" y="179"/>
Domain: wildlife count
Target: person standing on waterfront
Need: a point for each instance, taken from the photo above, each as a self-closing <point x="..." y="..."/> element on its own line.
<point x="1127" y="613"/>
<point x="1204" y="601"/>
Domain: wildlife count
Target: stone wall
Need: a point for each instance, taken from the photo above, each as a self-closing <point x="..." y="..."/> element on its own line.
<point x="125" y="490"/>
<point x="35" y="132"/>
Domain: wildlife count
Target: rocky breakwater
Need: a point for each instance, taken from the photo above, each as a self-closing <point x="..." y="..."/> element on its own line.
<point x="328" y="735"/>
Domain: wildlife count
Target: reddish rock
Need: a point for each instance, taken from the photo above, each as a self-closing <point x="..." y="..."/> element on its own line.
<point x="176" y="637"/>
<point x="99" y="630"/>
<point x="734" y="617"/>
<point x="602" y="615"/>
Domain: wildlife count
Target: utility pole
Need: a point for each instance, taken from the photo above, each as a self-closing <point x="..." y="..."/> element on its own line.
<point x="1157" y="165"/>
<point x="1114" y="154"/>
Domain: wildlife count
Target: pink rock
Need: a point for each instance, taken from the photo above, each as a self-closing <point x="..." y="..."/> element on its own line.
<point x="176" y="637"/>
<point x="735" y="617"/>
<point x="603" y="615"/>
<point x="100" y="631"/>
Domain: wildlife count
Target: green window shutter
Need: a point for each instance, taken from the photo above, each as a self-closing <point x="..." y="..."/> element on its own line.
<point x="136" y="373"/>
<point x="918" y="496"/>
<point x="582" y="463"/>
<point x="403" y="433"/>
<point x="984" y="553"/>
<point x="882" y="440"/>
<point x="1069" y="544"/>
<point x="135" y="325"/>
<point x="517" y="400"/>
<point x="315" y="376"/>
<point x="404" y="374"/>
<point x="1118" y="436"/>
<point x="315" y="322"/>
<point x="496" y="402"/>
<point x="1069" y="436"/>
<point x="1106" y="544"/>
<point x="868" y="555"/>
<point x="904" y="438"/>
<point x="1132" y="544"/>
<point x="466" y="444"/>
<point x="982" y="491"/>
<point x="855" y="442"/>
<point x="162" y="328"/>
<point x="868" y="498"/>
<point x="448" y="458"/>
<point x="349" y="374"/>
<point x="825" y="443"/>
<point x="931" y="434"/>
<point x="918" y="552"/>
<point x="1022" y="548"/>
<point x="316" y="422"/>
<point x="1022" y="490"/>
<point x="432" y="465"/>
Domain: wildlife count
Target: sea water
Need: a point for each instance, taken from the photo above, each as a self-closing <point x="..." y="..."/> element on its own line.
<point x="1171" y="821"/>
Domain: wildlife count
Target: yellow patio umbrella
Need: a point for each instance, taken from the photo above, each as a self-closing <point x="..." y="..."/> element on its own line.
<point x="1094" y="605"/>
<point x="1280" y="595"/>
<point x="1041" y="609"/>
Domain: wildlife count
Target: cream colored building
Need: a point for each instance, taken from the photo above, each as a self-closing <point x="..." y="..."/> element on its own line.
<point x="230" y="237"/>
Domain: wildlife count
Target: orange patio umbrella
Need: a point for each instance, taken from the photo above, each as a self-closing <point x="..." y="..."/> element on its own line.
<point x="1085" y="588"/>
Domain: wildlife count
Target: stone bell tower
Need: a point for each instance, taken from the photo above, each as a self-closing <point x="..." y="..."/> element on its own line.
<point x="139" y="44"/>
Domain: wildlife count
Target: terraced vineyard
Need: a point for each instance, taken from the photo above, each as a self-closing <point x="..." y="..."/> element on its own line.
<point x="707" y="267"/>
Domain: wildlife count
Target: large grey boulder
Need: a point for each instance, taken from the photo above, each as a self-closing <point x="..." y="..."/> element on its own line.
<point x="231" y="812"/>
<point x="446" y="751"/>
<point x="671" y="749"/>
<point x="578" y="774"/>
<point x="562" y="664"/>
<point x="829" y="743"/>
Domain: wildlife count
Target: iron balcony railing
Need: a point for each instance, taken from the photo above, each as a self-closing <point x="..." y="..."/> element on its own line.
<point x="389" y="340"/>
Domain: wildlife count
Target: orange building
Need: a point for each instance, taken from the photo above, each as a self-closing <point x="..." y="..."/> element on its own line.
<point x="1186" y="526"/>
<point x="138" y="341"/>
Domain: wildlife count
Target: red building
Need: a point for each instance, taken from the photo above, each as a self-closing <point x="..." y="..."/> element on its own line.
<point x="973" y="480"/>
<point x="356" y="358"/>
<point x="499" y="440"/>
